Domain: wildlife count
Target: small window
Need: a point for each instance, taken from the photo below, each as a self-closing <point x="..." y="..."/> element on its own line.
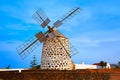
<point x="56" y="66"/>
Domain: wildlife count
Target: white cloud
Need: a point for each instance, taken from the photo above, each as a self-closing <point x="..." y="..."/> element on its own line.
<point x="95" y="38"/>
<point x="85" y="30"/>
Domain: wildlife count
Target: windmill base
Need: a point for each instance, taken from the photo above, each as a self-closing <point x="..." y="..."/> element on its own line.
<point x="56" y="54"/>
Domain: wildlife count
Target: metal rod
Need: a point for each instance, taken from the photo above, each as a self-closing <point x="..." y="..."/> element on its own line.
<point x="70" y="14"/>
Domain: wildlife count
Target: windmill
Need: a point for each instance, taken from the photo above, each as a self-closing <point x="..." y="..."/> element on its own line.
<point x="57" y="50"/>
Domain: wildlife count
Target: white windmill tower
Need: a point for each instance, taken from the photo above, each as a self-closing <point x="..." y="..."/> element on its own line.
<point x="56" y="51"/>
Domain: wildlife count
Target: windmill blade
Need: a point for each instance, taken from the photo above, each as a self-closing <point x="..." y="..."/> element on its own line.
<point x="73" y="50"/>
<point x="26" y="48"/>
<point x="55" y="34"/>
<point x="63" y="47"/>
<point x="41" y="18"/>
<point x="40" y="36"/>
<point x="67" y="16"/>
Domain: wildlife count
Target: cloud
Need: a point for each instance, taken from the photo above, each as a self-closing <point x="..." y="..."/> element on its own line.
<point x="27" y="9"/>
<point x="95" y="30"/>
<point x="18" y="12"/>
<point x="95" y="38"/>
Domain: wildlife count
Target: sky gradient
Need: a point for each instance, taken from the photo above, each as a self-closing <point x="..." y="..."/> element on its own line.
<point x="94" y="31"/>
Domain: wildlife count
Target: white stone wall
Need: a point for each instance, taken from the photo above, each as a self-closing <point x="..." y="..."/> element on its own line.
<point x="85" y="66"/>
<point x="54" y="56"/>
<point x="18" y="69"/>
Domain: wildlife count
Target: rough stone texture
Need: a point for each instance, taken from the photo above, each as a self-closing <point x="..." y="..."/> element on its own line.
<point x="55" y="75"/>
<point x="54" y="56"/>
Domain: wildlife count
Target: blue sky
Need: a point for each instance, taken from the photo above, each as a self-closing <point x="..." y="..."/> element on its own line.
<point x="94" y="32"/>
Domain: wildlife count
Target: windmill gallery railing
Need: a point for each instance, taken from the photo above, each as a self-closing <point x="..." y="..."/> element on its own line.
<point x="55" y="75"/>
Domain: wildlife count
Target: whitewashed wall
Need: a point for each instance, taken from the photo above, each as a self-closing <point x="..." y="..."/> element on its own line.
<point x="85" y="66"/>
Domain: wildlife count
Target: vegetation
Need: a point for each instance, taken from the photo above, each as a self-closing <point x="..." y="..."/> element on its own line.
<point x="8" y="67"/>
<point x="102" y="64"/>
<point x="33" y="63"/>
<point x="119" y="64"/>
